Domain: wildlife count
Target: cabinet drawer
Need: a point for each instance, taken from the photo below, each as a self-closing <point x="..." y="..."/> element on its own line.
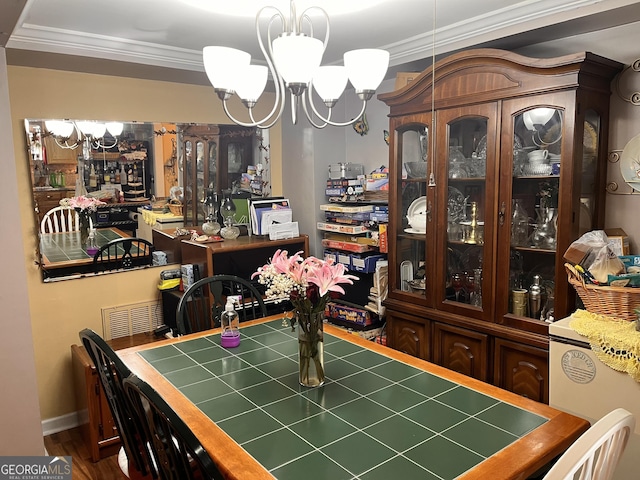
<point x="461" y="350"/>
<point x="48" y="199"/>
<point x="522" y="369"/>
<point x="408" y="336"/>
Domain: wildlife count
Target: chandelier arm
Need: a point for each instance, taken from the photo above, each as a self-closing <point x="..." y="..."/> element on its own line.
<point x="66" y="145"/>
<point x="266" y="125"/>
<point x="99" y="145"/>
<point x="327" y="120"/>
<point x="310" y="118"/>
<point x="309" y="21"/>
<point x="234" y="119"/>
<point x="279" y="100"/>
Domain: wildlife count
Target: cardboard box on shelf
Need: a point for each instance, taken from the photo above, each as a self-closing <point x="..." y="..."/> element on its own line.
<point x="618" y="241"/>
<point x="405" y="78"/>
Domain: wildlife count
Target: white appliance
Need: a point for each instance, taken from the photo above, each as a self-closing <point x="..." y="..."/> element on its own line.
<point x="580" y="384"/>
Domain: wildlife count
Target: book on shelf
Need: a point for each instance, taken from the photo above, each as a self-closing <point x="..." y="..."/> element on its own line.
<point x="334" y="227"/>
<point x="344" y="245"/>
<point x="266" y="211"/>
<point x="332" y="207"/>
<point x="349" y="218"/>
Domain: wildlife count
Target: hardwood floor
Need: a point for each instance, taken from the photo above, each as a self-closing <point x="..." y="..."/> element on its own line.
<point x="70" y="442"/>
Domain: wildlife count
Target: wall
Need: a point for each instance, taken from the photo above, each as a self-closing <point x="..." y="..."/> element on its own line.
<point x="19" y="409"/>
<point x="60" y="310"/>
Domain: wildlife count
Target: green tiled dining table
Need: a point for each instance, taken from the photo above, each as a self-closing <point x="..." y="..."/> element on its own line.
<point x="381" y="414"/>
<point x="65" y="249"/>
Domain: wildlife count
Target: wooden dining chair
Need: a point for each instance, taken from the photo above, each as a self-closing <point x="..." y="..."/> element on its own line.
<point x="202" y="304"/>
<point x="134" y="457"/>
<point x="595" y="454"/>
<point x="61" y="219"/>
<point x="123" y="253"/>
<point x="179" y="454"/>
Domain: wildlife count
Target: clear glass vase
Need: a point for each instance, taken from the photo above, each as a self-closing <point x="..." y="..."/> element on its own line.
<point x="311" y="349"/>
<point x="83" y="224"/>
<point x="519" y="225"/>
<point x="544" y="233"/>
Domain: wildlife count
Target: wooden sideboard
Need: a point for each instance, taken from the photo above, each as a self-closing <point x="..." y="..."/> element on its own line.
<point x="98" y="428"/>
<point x="241" y="256"/>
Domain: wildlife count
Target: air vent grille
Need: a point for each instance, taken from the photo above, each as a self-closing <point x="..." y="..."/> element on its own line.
<point x="125" y="320"/>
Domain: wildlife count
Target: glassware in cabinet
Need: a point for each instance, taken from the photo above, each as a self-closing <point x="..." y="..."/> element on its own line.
<point x="535" y="189"/>
<point x="413" y="210"/>
<point x="468" y="136"/>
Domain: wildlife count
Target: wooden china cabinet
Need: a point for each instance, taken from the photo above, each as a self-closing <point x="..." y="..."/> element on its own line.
<point x="473" y="291"/>
<point x="213" y="156"/>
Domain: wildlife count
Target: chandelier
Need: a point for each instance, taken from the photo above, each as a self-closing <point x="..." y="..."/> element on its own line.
<point x="293" y="61"/>
<point x="70" y="134"/>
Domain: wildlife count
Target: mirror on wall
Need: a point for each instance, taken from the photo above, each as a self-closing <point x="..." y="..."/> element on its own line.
<point x="133" y="168"/>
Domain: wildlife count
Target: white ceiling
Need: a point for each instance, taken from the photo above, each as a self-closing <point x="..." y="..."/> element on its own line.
<point x="171" y="33"/>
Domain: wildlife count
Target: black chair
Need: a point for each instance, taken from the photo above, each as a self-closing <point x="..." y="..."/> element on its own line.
<point x="123" y="253"/>
<point x="200" y="307"/>
<point x="179" y="454"/>
<point x="111" y="372"/>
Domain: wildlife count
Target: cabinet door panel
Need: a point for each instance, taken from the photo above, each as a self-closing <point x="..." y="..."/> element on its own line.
<point x="410" y="219"/>
<point x="553" y="126"/>
<point x="522" y="369"/>
<point x="467" y="213"/>
<point x="408" y="336"/>
<point x="461" y="350"/>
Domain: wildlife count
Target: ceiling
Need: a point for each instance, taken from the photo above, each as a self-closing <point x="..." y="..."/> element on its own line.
<point x="163" y="39"/>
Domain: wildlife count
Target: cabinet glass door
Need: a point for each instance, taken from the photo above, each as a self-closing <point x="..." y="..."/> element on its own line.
<point x="466" y="154"/>
<point x="588" y="172"/>
<point x="412" y="208"/>
<point x="533" y="221"/>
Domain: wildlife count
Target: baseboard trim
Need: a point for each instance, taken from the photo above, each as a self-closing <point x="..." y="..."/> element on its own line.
<point x="58" y="424"/>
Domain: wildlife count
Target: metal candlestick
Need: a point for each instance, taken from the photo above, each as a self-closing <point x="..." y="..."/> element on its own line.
<point x="472" y="238"/>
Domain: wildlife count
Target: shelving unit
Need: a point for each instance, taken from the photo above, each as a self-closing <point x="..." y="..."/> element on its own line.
<point x="352" y="237"/>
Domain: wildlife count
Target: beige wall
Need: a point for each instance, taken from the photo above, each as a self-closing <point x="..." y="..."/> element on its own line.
<point x="60" y="310"/>
<point x="19" y="410"/>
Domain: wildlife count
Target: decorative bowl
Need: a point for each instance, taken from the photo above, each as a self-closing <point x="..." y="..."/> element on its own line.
<point x="416" y="169"/>
<point x="418" y="221"/>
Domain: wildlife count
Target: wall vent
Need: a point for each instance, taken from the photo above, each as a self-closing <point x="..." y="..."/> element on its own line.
<point x="125" y="320"/>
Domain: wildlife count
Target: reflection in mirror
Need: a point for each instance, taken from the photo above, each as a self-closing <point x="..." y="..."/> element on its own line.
<point x="135" y="168"/>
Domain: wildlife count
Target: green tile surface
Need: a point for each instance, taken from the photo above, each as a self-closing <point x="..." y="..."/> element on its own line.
<point x="375" y="418"/>
<point x="62" y="247"/>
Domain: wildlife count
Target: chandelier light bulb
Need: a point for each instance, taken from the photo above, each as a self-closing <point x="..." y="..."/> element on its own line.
<point x="99" y="129"/>
<point x="252" y="82"/>
<point x="223" y="66"/>
<point x="115" y="128"/>
<point x="59" y="128"/>
<point x="86" y="127"/>
<point x="330" y="82"/>
<point x="366" y="68"/>
<point x="297" y="57"/>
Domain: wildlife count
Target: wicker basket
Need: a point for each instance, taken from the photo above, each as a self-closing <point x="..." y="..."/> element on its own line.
<point x="618" y="302"/>
<point x="175" y="207"/>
